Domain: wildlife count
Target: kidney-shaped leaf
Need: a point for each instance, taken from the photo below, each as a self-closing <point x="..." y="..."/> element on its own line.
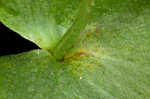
<point x="40" y="21"/>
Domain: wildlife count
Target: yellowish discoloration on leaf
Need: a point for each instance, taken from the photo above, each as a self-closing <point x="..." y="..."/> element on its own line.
<point x="90" y="67"/>
<point x="83" y="60"/>
<point x="102" y="29"/>
<point x="94" y="28"/>
<point x="60" y="85"/>
<point x="78" y="54"/>
<point x="89" y="33"/>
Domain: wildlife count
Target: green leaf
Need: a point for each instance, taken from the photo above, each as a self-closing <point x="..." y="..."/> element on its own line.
<point x="112" y="62"/>
<point x="41" y="21"/>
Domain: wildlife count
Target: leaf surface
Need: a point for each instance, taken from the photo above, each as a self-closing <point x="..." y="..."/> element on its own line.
<point x="114" y="64"/>
<point x="41" y="21"/>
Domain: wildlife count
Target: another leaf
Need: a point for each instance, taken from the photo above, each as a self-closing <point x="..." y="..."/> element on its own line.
<point x="38" y="20"/>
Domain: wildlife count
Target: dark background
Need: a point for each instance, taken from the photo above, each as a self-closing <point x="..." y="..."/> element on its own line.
<point x="12" y="43"/>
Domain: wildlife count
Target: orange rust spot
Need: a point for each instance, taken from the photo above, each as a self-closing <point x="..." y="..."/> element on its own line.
<point x="89" y="67"/>
<point x="89" y="33"/>
<point x="46" y="67"/>
<point x="78" y="54"/>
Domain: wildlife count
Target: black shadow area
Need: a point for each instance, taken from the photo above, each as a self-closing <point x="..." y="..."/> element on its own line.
<point x="12" y="43"/>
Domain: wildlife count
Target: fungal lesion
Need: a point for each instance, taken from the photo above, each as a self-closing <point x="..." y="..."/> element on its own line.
<point x="94" y="28"/>
<point x="89" y="31"/>
<point x="78" y="54"/>
<point x="75" y="55"/>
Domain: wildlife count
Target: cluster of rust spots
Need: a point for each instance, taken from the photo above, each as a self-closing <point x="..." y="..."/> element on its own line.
<point x="95" y="29"/>
<point x="77" y="55"/>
